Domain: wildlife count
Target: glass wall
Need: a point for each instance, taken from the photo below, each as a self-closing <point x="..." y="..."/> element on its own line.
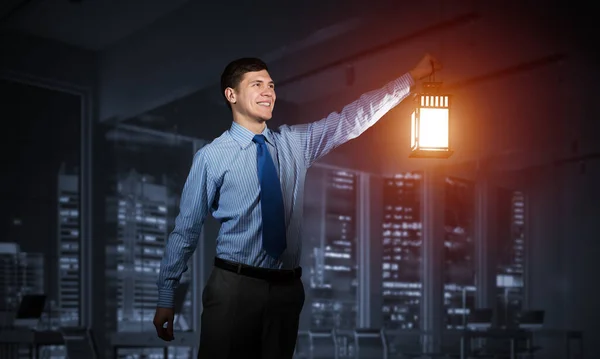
<point x="331" y="249"/>
<point x="40" y="216"/>
<point x="330" y="245"/>
<point x="510" y="293"/>
<point x="144" y="189"/>
<point x="401" y="262"/>
<point x="459" y="252"/>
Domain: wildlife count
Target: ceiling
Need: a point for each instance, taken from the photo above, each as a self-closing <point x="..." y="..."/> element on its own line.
<point x="92" y="25"/>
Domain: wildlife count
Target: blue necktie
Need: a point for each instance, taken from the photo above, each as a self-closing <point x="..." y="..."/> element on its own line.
<point x="273" y="221"/>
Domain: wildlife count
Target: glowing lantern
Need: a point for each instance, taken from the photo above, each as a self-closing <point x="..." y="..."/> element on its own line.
<point x="430" y="124"/>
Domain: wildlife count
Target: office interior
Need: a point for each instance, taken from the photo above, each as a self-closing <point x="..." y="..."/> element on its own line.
<point x="492" y="252"/>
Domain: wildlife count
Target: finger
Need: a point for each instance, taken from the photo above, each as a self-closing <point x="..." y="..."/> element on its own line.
<point x="159" y="329"/>
<point x="165" y="335"/>
<point x="170" y="328"/>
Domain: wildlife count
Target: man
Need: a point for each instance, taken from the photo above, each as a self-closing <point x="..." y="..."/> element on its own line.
<point x="251" y="179"/>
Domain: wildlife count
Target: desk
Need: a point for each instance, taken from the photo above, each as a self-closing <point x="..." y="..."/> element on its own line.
<point x="124" y="340"/>
<point x="513" y="335"/>
<point x="32" y="338"/>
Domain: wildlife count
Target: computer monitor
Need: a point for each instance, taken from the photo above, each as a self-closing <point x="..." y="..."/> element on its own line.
<point x="30" y="310"/>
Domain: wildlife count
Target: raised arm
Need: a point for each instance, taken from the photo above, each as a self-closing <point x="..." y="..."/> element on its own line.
<point x="320" y="137"/>
<point x="196" y="199"/>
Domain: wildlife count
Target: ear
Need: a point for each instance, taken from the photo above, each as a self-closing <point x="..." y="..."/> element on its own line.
<point x="230" y="95"/>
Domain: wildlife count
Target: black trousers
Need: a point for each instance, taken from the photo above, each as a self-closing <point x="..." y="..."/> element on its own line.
<point x="249" y="318"/>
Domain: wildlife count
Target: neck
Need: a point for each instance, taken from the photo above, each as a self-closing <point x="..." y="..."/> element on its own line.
<point x="256" y="126"/>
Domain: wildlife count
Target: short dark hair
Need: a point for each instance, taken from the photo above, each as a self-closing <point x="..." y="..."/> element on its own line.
<point x="235" y="70"/>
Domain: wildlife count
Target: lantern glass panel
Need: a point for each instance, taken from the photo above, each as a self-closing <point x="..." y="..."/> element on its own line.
<point x="413" y="130"/>
<point x="433" y="128"/>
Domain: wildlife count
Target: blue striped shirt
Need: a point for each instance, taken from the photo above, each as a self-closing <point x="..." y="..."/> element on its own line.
<point x="223" y="181"/>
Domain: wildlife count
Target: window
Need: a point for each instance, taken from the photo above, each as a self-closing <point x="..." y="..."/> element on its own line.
<point x="510" y="255"/>
<point x="401" y="262"/>
<point x="459" y="254"/>
<point x="144" y="185"/>
<point x="333" y="280"/>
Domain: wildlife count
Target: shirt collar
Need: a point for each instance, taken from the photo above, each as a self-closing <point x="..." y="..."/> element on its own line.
<point x="244" y="136"/>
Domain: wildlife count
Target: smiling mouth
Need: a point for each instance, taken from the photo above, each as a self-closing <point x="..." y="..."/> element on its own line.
<point x="264" y="104"/>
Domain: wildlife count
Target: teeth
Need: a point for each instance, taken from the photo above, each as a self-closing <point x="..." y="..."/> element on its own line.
<point x="264" y="104"/>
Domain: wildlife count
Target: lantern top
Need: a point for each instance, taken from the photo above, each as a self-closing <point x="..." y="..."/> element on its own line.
<point x="431" y="87"/>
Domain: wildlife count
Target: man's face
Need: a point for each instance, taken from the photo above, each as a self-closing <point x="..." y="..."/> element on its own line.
<point x="255" y="96"/>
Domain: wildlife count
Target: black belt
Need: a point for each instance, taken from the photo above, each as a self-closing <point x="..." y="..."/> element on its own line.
<point x="274" y="275"/>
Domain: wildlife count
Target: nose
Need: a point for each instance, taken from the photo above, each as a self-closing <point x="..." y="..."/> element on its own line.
<point x="269" y="91"/>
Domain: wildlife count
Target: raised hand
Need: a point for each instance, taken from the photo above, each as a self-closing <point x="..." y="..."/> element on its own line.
<point x="425" y="67"/>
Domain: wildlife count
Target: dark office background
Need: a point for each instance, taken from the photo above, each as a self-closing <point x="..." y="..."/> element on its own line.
<point x="103" y="105"/>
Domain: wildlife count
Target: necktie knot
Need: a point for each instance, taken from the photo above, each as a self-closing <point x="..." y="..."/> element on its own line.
<point x="260" y="139"/>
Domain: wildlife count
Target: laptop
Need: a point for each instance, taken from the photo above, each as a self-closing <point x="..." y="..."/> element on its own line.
<point x="532" y="319"/>
<point x="480" y="318"/>
<point x="30" y="311"/>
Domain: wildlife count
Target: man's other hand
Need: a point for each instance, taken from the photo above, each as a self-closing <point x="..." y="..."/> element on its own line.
<point x="162" y="316"/>
<point x="425" y="67"/>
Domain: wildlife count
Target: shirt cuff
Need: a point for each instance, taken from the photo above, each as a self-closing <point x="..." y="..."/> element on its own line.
<point x="166" y="298"/>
